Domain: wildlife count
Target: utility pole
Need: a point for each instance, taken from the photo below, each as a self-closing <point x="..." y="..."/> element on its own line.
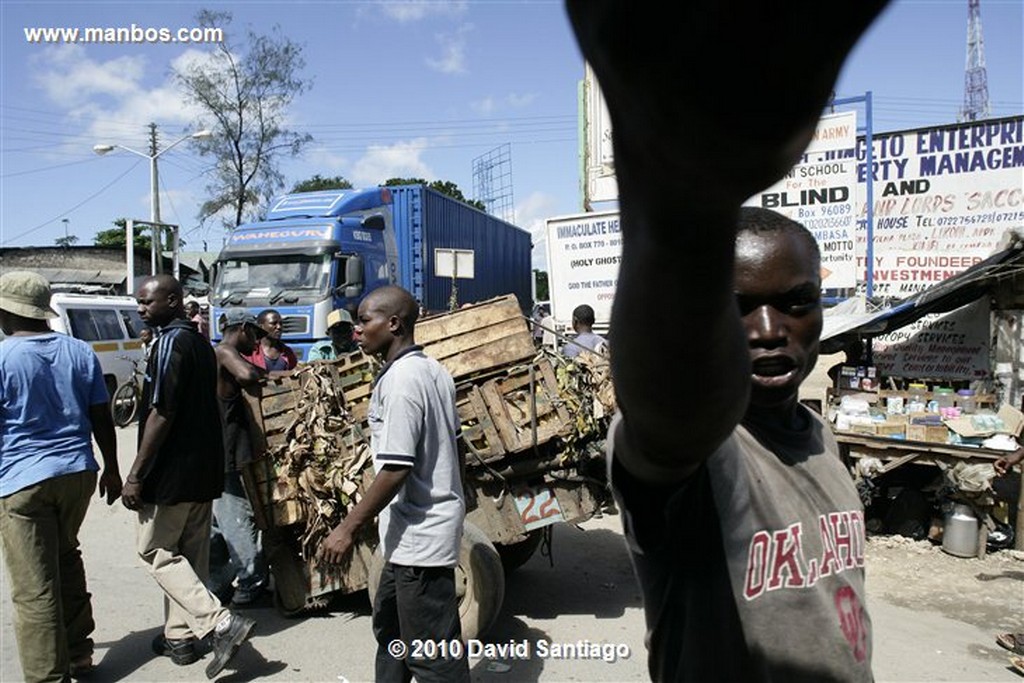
<point x="156" y="248"/>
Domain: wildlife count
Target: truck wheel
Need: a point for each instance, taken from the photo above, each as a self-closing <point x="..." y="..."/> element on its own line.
<point x="479" y="581"/>
<point x="515" y="555"/>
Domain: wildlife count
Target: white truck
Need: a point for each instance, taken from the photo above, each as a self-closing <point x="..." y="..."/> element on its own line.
<point x="583" y="266"/>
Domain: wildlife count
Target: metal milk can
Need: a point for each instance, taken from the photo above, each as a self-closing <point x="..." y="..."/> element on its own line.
<point x="960" y="534"/>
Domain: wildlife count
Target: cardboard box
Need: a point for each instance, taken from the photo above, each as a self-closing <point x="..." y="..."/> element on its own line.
<point x="891" y="428"/>
<point x="928" y="433"/>
<point x="1013" y="421"/>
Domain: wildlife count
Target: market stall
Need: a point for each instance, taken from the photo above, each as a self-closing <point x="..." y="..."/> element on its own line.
<point x="935" y="379"/>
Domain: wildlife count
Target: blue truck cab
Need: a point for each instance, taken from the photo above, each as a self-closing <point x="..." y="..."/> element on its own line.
<point x="315" y="252"/>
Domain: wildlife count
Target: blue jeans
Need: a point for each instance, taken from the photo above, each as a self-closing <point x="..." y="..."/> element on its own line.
<point x="246" y="565"/>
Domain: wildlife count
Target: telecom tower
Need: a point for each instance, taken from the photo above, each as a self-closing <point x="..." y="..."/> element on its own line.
<point x="492" y="182"/>
<point x="976" y="77"/>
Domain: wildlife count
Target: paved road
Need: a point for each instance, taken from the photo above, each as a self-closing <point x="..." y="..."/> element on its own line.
<point x="588" y="594"/>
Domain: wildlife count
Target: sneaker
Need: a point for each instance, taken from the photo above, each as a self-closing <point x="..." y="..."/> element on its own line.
<point x="246" y="598"/>
<point x="227" y="642"/>
<point x="182" y="652"/>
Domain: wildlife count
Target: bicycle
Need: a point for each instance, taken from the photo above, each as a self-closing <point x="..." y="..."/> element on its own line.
<point x="125" y="402"/>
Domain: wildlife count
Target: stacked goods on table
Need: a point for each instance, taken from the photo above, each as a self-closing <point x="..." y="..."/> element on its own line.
<point x="514" y="403"/>
<point x="938" y="416"/>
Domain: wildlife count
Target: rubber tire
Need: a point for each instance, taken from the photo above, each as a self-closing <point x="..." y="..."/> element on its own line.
<point x="124" y="404"/>
<point x="479" y="582"/>
<point x="515" y="555"/>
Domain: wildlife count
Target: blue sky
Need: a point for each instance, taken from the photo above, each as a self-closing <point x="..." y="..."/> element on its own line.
<point x="397" y="89"/>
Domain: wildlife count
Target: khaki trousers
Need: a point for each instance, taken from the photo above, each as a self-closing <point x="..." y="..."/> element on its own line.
<point x="174" y="545"/>
<point x="52" y="611"/>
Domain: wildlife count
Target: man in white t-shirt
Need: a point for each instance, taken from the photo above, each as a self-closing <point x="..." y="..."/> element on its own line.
<point x="417" y="492"/>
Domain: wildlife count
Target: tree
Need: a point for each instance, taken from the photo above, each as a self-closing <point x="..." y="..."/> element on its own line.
<point x="318" y="183"/>
<point x="445" y="187"/>
<point x="67" y="241"/>
<point x="114" y="237"/>
<point x="540" y="279"/>
<point x="244" y="98"/>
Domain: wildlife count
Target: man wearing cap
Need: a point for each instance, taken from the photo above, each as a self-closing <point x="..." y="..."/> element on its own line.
<point x="340" y="327"/>
<point x="177" y="473"/>
<point x="53" y="401"/>
<point x="245" y="571"/>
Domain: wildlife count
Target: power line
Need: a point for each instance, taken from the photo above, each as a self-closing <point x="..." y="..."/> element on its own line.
<point x="69" y="210"/>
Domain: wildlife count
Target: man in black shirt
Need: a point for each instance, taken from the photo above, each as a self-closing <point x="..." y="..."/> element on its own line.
<point x="177" y="472"/>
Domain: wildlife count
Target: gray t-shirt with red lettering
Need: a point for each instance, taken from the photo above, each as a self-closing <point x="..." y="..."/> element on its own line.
<point x="752" y="569"/>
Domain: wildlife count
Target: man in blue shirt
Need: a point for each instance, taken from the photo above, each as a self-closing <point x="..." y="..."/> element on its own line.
<point x="53" y="401"/>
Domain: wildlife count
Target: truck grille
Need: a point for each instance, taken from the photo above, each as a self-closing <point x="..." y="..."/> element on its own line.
<point x="295" y="324"/>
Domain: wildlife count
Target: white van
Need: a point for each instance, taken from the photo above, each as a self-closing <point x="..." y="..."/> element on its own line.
<point x="111" y="326"/>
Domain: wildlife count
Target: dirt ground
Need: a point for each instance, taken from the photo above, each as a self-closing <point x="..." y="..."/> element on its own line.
<point x="987" y="593"/>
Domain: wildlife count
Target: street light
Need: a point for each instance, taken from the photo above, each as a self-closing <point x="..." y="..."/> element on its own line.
<point x="154" y="200"/>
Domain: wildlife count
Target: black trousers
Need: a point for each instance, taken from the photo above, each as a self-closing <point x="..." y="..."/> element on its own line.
<point x="417" y="603"/>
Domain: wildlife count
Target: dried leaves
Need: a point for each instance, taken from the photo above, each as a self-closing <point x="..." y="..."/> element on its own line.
<point x="322" y="457"/>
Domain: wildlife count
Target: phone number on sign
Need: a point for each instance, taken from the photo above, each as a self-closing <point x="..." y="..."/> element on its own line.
<point x="512" y="649"/>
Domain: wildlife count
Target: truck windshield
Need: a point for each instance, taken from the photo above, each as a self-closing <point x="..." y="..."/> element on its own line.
<point x="252" y="280"/>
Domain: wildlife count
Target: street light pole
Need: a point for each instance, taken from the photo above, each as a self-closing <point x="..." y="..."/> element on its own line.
<point x="154" y="187"/>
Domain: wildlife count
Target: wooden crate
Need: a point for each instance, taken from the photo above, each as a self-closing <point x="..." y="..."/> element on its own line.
<point x="479" y="435"/>
<point x="276" y="407"/>
<point x="498" y="414"/>
<point x="478" y="338"/>
<point x="515" y="412"/>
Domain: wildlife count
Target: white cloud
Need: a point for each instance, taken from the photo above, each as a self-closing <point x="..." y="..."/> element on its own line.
<point x="416" y="10"/>
<point x="493" y="105"/>
<point x="531" y="215"/>
<point x="109" y="99"/>
<point x="393" y="161"/>
<point x="453" y="51"/>
<point x="68" y="77"/>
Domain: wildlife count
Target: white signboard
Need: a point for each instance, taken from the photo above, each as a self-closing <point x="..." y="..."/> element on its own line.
<point x="583" y="264"/>
<point x="820" y="192"/>
<point x="949" y="346"/>
<point x="598" y="155"/>
<point x="952" y="191"/>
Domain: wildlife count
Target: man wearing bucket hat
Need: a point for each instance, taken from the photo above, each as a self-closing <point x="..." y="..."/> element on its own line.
<point x="177" y="473"/>
<point x="243" y="571"/>
<point x="340" y="327"/>
<point x="53" y="401"/>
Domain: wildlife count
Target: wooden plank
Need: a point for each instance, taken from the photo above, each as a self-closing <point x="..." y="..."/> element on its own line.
<point x="468" y="319"/>
<point x="478" y="433"/>
<point x="489" y="356"/>
<point x="551" y="381"/>
<point x="450" y="346"/>
<point x="496" y="409"/>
